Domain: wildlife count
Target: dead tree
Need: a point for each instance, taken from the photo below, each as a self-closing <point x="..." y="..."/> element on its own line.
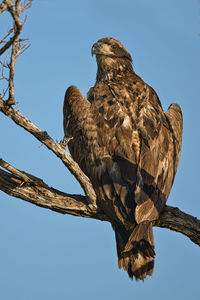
<point x="25" y="186"/>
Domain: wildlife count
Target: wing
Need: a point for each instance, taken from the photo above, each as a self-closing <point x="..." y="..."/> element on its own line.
<point x="161" y="138"/>
<point x="79" y="126"/>
<point x="175" y="121"/>
<point x="158" y="164"/>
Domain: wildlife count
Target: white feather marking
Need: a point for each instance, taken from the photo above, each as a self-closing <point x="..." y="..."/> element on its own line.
<point x="126" y="123"/>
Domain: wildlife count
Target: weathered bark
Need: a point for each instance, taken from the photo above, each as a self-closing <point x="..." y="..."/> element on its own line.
<point x="173" y="218"/>
<point x="55" y="147"/>
<point x="34" y="190"/>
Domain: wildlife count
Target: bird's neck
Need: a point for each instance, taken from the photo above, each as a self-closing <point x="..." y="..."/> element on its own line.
<point x="110" y="68"/>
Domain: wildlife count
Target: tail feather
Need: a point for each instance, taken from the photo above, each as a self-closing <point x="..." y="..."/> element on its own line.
<point x="137" y="256"/>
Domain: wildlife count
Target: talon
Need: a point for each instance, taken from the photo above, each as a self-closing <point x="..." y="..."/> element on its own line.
<point x="67" y="140"/>
<point x="64" y="142"/>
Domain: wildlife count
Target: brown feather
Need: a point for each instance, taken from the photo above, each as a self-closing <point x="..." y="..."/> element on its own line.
<point x="128" y="147"/>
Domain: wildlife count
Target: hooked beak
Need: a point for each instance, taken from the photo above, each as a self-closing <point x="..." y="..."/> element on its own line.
<point x="96" y="48"/>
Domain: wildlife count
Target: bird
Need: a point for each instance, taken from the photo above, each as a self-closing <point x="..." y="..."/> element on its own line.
<point x="128" y="147"/>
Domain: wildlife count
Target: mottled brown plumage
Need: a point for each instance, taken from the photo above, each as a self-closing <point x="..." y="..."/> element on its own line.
<point x="128" y="147"/>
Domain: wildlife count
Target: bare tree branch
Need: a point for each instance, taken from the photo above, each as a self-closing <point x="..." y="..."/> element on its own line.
<point x="15" y="13"/>
<point x="17" y="44"/>
<point x="56" y="148"/>
<point x="3" y="7"/>
<point x="26" y="4"/>
<point x="6" y="36"/>
<point x="176" y="220"/>
<point x="32" y="189"/>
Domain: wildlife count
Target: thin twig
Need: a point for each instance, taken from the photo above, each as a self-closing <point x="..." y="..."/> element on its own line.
<point x="3" y="40"/>
<point x="18" y="46"/>
<point x="25" y="5"/>
<point x="17" y="24"/>
<point x="15" y="12"/>
<point x="22" y="47"/>
<point x="13" y="170"/>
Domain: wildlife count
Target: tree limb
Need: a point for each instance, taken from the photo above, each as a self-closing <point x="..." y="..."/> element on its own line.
<point x="14" y="8"/>
<point x="34" y="190"/>
<point x="173" y="218"/>
<point x="55" y="147"/>
<point x="15" y="13"/>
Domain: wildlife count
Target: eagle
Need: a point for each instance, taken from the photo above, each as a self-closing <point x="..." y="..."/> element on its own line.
<point x="128" y="147"/>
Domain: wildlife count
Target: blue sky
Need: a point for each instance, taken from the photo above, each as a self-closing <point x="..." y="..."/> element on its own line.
<point x="43" y="254"/>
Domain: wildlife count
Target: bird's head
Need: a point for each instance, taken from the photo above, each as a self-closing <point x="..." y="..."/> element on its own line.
<point x="112" y="58"/>
<point x="110" y="47"/>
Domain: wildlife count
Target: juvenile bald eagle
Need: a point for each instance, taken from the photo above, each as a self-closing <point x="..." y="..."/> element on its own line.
<point x="128" y="147"/>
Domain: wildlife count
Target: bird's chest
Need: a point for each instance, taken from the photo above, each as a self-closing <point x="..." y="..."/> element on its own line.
<point x="115" y="121"/>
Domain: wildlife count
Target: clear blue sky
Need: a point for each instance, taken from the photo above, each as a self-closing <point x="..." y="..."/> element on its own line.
<point x="46" y="255"/>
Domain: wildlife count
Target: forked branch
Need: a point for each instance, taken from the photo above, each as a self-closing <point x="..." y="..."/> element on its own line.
<point x="55" y="147"/>
<point x="17" y="46"/>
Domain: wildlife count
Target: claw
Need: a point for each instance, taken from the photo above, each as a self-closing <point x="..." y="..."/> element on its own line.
<point x="64" y="142"/>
